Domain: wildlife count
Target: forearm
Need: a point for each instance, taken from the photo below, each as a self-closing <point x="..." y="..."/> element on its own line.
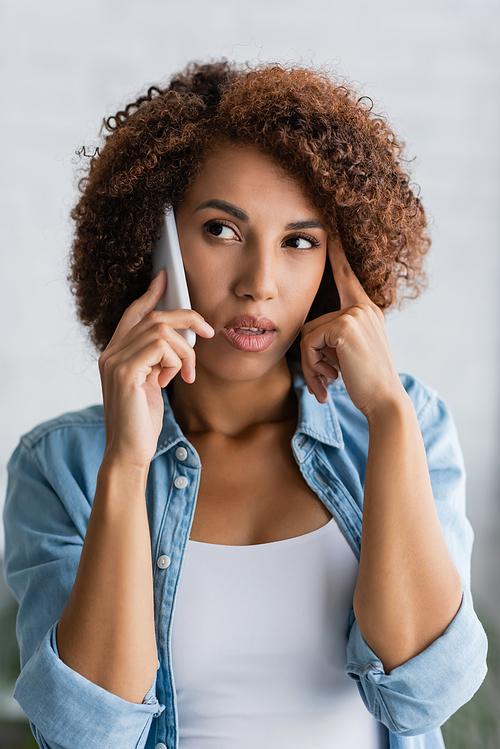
<point x="106" y="631"/>
<point x="408" y="588"/>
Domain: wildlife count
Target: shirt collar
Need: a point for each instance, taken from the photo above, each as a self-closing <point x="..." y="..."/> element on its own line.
<point x="317" y="420"/>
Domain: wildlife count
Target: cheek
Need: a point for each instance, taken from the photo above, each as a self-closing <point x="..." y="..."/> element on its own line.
<point x="201" y="292"/>
<point x="299" y="301"/>
<point x="207" y="283"/>
<point x="308" y="280"/>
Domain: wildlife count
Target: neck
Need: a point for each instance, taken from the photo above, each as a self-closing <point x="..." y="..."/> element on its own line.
<point x="211" y="404"/>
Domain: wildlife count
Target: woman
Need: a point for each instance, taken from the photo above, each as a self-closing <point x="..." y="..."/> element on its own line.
<point x="249" y="462"/>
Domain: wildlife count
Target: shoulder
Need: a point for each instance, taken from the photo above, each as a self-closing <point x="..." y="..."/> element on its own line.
<point x="423" y="396"/>
<point x="85" y="423"/>
<point x="433" y="414"/>
<point x="55" y="466"/>
<point x="72" y="442"/>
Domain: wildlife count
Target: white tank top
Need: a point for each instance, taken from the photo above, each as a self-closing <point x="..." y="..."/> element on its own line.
<point x="259" y="646"/>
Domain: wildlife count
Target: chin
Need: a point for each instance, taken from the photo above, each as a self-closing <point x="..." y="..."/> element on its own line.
<point x="239" y="366"/>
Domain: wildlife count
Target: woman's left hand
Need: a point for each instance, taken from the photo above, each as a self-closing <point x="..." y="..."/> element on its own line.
<point x="352" y="341"/>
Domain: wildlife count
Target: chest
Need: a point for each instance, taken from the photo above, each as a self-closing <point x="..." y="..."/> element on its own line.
<point x="252" y="491"/>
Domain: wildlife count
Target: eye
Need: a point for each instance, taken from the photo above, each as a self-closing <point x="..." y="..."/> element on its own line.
<point x="302" y="242"/>
<point x="220" y="230"/>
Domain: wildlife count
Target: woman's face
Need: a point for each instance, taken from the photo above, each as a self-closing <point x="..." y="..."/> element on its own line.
<point x="252" y="244"/>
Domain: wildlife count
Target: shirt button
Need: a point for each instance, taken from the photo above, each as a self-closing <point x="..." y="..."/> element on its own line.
<point x="160" y="746"/>
<point x="181" y="453"/>
<point x="181" y="482"/>
<point x="158" y="666"/>
<point x="163" y="562"/>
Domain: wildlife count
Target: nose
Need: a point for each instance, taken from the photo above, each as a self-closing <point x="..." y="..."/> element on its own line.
<point x="257" y="276"/>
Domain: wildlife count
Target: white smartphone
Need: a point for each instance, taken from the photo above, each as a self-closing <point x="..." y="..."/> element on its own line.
<point x="167" y="254"/>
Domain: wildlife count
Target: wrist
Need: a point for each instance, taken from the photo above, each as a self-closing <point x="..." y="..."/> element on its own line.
<point x="117" y="469"/>
<point x="395" y="408"/>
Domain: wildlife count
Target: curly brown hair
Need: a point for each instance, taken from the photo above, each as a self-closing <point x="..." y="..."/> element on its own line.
<point x="317" y="128"/>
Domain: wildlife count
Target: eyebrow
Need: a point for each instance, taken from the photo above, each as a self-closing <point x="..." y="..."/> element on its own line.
<point x="232" y="210"/>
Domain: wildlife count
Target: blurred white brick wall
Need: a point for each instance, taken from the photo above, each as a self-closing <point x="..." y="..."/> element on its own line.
<point x="433" y="66"/>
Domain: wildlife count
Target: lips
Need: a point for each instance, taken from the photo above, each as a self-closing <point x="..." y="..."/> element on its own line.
<point x="237" y="333"/>
<point x="246" y="340"/>
<point x="249" y="321"/>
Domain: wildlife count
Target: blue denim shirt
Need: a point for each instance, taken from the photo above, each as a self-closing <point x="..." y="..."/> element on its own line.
<point x="52" y="480"/>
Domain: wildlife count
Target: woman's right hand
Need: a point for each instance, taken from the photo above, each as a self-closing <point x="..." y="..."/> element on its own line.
<point x="144" y="355"/>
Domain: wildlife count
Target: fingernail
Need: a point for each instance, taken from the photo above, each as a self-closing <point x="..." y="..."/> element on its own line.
<point x="209" y="328"/>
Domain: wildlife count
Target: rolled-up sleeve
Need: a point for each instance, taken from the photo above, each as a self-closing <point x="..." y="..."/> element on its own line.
<point x="66" y="710"/>
<point x="424" y="692"/>
<point x="45" y="517"/>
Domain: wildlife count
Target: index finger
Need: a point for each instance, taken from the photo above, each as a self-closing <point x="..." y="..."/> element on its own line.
<point x="349" y="287"/>
<point x="141" y="306"/>
<point x="179" y="319"/>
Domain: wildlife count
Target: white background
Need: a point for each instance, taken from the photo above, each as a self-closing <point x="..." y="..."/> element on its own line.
<point x="432" y="66"/>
